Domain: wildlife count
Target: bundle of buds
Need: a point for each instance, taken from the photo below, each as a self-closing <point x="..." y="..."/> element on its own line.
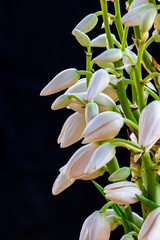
<point x="123" y="92"/>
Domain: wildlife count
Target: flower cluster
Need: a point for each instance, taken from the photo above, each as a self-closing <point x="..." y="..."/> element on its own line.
<point x="105" y="100"/>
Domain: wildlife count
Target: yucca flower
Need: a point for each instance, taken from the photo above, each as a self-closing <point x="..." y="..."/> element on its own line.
<point x="149" y="127"/>
<point x="72" y="130"/>
<point x="140" y="14"/>
<point x="61" y="81"/>
<point x="75" y="169"/>
<point x="122" y="192"/>
<point x="105" y="125"/>
<point x="151" y="226"/>
<point x="95" y="227"/>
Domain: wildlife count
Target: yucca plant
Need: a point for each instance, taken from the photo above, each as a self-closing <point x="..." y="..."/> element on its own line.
<point x="120" y="87"/>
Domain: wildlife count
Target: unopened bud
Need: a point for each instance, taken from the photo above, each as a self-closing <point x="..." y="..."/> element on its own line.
<point x="91" y="111"/>
<point x="120" y="174"/>
<point x="113" y="222"/>
<point x="87" y="23"/>
<point x="81" y="37"/>
<point x="110" y="55"/>
<point x="156" y="36"/>
<point x="61" y="102"/>
<point x="127" y="237"/>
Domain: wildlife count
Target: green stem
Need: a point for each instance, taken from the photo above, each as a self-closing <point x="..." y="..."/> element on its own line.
<point x="130" y="123"/>
<point x="78" y="99"/>
<point x="86" y="73"/>
<point x="88" y="64"/>
<point x="98" y="13"/>
<point x="121" y="144"/>
<point x="150" y="177"/>
<point x="118" y="19"/>
<point x="124" y="39"/>
<point x="106" y="206"/>
<point x="104" y="7"/>
<point x="124" y="101"/>
<point x="111" y="70"/>
<point x="128" y="212"/>
<point x="150" y="40"/>
<point x="151" y="75"/>
<point x="113" y="165"/>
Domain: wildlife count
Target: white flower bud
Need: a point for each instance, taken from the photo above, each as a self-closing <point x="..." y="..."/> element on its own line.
<point x="113" y="222"/>
<point x="149" y="127"/>
<point x="82" y="38"/>
<point x="61" y="102"/>
<point x="61" y="81"/>
<point x="110" y="55"/>
<point x="91" y="111"/>
<point x="72" y="130"/>
<point x="95" y="227"/>
<point x="122" y="192"/>
<point x="151" y="226"/>
<point x="120" y="174"/>
<point x="99" y="41"/>
<point x="87" y="23"/>
<point x="105" y="125"/>
<point x="97" y="84"/>
<point x="104" y="102"/>
<point x="137" y="3"/>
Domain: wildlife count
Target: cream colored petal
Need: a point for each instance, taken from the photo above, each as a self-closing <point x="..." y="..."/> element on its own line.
<point x="61" y="81"/>
<point x="84" y="234"/>
<point x="149" y="127"/>
<point x="110" y="55"/>
<point x="151" y="226"/>
<point x="100" y="227"/>
<point x="137" y="3"/>
<point x="72" y="130"/>
<point x="111" y="92"/>
<point x="79" y="87"/>
<point x="97" y="84"/>
<point x="61" y="183"/>
<point x="104" y="102"/>
<point x="78" y="162"/>
<point x="100" y="157"/>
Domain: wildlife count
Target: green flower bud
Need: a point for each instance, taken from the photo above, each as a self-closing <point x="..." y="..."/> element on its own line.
<point x="119" y="175"/>
<point x="61" y="102"/>
<point x="81" y="37"/>
<point x="91" y="111"/>
<point x="156" y="36"/>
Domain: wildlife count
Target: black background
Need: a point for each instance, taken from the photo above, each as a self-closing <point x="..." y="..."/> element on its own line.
<point x="36" y="44"/>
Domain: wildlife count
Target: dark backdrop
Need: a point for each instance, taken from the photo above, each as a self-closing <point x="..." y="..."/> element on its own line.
<point x="36" y="44"/>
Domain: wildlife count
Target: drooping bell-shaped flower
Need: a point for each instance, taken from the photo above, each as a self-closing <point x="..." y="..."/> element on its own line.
<point x="149" y="125"/>
<point x="87" y="23"/>
<point x="142" y="15"/>
<point x="61" y="81"/>
<point x="105" y="125"/>
<point x="122" y="192"/>
<point x="102" y="155"/>
<point x="74" y="169"/>
<point x="97" y="84"/>
<point x="95" y="227"/>
<point x="72" y="130"/>
<point x="151" y="226"/>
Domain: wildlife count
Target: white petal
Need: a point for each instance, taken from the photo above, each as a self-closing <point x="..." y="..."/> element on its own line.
<point x="97" y="84"/>
<point x="101" y="157"/>
<point x="72" y="130"/>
